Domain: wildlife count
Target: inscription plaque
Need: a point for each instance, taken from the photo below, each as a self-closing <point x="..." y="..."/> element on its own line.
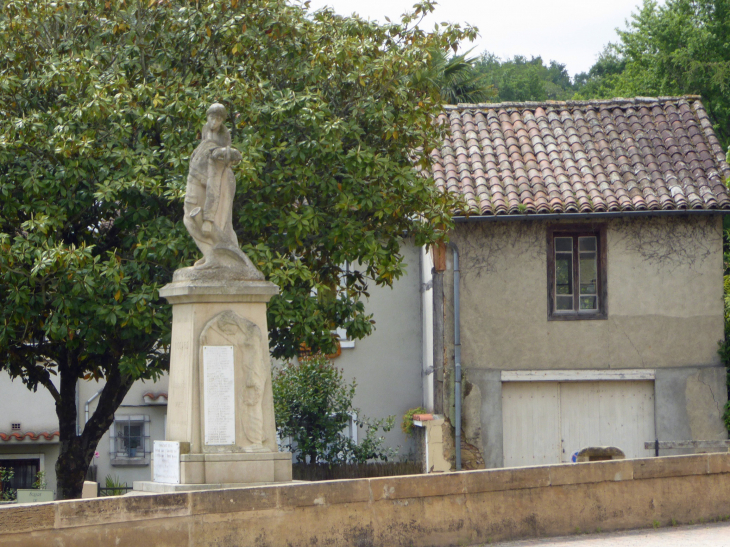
<point x="219" y="393"/>
<point x="166" y="458"/>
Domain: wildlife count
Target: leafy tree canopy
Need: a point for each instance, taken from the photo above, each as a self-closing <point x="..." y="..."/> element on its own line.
<point x="681" y="47"/>
<point x="102" y="103"/>
<point x="522" y="79"/>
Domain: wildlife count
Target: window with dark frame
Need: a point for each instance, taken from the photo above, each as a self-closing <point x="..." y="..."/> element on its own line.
<point x="576" y="273"/>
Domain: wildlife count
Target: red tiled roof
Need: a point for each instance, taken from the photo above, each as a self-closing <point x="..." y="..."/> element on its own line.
<point x="154" y="396"/>
<point x="617" y="155"/>
<point x="29" y="434"/>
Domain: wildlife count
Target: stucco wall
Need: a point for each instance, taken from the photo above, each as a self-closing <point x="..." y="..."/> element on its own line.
<point x="387" y="364"/>
<point x="34" y="410"/>
<point x="133" y="405"/>
<point x="36" y="413"/>
<point x="665" y="304"/>
<point x="665" y="313"/>
<point x="469" y="508"/>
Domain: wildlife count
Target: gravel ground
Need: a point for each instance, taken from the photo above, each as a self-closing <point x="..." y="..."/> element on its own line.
<point x="703" y="535"/>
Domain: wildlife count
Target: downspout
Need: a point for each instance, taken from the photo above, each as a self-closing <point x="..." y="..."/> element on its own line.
<point x="457" y="360"/>
<point x="86" y="406"/>
<point x="427" y="329"/>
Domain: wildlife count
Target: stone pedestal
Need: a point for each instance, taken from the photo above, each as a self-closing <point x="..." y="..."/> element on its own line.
<point x="220" y="349"/>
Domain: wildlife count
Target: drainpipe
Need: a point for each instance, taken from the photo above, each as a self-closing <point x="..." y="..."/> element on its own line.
<point x="427" y="329"/>
<point x="86" y="406"/>
<point x="457" y="359"/>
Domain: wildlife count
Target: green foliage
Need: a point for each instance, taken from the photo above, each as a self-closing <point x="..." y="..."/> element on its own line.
<point x="680" y="47"/>
<point x="114" y="486"/>
<point x="313" y="405"/>
<point x="102" y="103"/>
<point x="459" y="79"/>
<point x="6" y="493"/>
<point x="40" y="480"/>
<point x="522" y="79"/>
<point x="407" y="424"/>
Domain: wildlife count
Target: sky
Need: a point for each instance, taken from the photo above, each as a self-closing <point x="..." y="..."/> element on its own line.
<point x="571" y="32"/>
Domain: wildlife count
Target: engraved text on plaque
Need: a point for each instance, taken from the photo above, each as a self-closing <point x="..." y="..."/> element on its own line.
<point x="220" y="404"/>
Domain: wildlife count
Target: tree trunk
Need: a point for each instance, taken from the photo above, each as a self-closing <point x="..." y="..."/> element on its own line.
<point x="77" y="450"/>
<point x="71" y="467"/>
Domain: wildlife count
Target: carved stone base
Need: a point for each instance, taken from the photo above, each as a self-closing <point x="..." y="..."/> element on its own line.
<point x="217" y="314"/>
<point x="228" y="470"/>
<point x="235" y="468"/>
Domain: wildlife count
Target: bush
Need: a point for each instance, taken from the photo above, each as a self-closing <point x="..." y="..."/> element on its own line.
<point x="313" y="405"/>
<point x="407" y="424"/>
<point x="6" y="493"/>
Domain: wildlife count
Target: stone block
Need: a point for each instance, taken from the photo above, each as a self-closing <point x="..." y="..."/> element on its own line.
<point x="415" y="486"/>
<point x="506" y="479"/>
<point x="192" y="472"/>
<point x="18" y="519"/>
<point x="283" y="470"/>
<point x="718" y="462"/>
<point x="232" y="471"/>
<point x="233" y="500"/>
<point x="90" y="490"/>
<point x="670" y="466"/>
<point x="580" y="473"/>
<point x="324" y="493"/>
<point x="101" y="511"/>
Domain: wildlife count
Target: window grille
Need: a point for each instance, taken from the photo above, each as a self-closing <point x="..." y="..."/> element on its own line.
<point x="129" y="439"/>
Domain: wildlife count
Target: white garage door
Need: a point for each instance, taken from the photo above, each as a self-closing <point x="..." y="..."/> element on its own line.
<point x="546" y="422"/>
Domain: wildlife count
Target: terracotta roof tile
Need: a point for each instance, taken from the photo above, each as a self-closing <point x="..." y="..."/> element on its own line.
<point x="30" y="435"/>
<point x="657" y="154"/>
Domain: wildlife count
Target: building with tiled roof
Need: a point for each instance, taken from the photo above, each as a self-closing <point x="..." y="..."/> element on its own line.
<point x="593" y="317"/>
<point x="616" y="156"/>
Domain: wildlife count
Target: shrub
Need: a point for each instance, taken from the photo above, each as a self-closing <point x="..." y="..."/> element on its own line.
<point x="407" y="424"/>
<point x="313" y="405"/>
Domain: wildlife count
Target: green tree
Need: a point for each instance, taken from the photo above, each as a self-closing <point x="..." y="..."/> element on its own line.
<point x="458" y="78"/>
<point x="522" y="79"/>
<point x="313" y="405"/>
<point x="680" y="47"/>
<point x="102" y="102"/>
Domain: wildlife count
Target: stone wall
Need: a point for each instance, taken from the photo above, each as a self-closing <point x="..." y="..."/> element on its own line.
<point x="467" y="508"/>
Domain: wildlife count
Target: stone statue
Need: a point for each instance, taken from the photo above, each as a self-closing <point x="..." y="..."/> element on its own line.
<point x="208" y="205"/>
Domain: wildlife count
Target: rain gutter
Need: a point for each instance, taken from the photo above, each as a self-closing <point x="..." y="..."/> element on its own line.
<point x="589" y="216"/>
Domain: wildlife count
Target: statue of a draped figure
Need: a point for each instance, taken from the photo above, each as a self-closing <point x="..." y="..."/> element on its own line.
<point x="209" y="202"/>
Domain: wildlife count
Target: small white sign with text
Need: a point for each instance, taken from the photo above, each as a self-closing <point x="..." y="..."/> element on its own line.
<point x="166" y="458"/>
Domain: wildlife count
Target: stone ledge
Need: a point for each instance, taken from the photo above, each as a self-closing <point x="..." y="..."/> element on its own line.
<point x="186" y="292"/>
<point x="396" y="490"/>
<point x="235" y="456"/>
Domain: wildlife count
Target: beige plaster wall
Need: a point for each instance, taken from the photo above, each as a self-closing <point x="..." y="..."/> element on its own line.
<point x="468" y="508"/>
<point x="387" y="364"/>
<point x="665" y="304"/>
<point x="34" y="410"/>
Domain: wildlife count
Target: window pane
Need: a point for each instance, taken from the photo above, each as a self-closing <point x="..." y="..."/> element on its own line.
<point x="588" y="302"/>
<point x="564" y="244"/>
<point x="563" y="273"/>
<point x="587" y="243"/>
<point x="588" y="273"/>
<point x="564" y="303"/>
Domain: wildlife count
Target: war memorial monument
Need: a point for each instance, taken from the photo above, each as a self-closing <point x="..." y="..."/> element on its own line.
<point x="220" y="418"/>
